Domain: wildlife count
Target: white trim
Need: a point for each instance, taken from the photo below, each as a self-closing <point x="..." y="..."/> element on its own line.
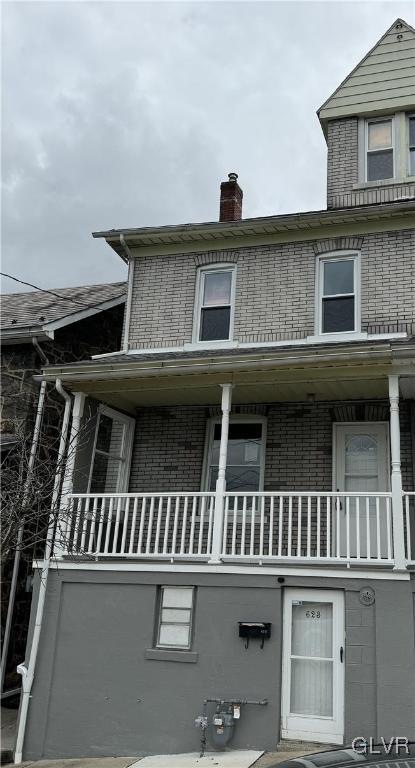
<point x="126" y="446"/>
<point x="408" y="116"/>
<point x="315" y="339"/>
<point x="242" y="418"/>
<point x="340" y="255"/>
<point x="127" y="314"/>
<point x="82" y="314"/>
<point x="198" y="304"/>
<point x="259" y="570"/>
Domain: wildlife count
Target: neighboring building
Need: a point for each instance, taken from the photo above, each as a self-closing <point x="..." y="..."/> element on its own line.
<point x="61" y="326"/>
<point x="251" y="460"/>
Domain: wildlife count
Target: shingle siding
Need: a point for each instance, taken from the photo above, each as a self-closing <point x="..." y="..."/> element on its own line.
<point x="275" y="290"/>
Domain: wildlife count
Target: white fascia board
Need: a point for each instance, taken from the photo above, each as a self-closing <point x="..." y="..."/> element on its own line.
<point x="83" y="313"/>
<point x="240" y="570"/>
<point x="25" y="335"/>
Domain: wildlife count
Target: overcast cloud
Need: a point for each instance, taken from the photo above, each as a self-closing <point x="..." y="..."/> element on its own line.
<point x="130" y="114"/>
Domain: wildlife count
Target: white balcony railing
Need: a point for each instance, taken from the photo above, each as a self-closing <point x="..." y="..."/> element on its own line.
<point x="326" y="528"/>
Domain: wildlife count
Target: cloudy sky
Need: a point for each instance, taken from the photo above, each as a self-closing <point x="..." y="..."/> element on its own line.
<point x="131" y="113"/>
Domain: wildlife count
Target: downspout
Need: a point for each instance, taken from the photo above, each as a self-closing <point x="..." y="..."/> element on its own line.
<point x="17" y="553"/>
<point x="127" y="316"/>
<point x="28" y="672"/>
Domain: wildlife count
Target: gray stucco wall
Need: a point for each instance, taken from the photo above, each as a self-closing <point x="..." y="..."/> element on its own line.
<point x="275" y="290"/>
<point x="96" y="693"/>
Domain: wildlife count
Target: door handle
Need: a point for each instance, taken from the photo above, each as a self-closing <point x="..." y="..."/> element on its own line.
<point x="341" y="654"/>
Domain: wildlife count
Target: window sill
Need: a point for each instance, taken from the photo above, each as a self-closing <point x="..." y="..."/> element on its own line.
<point x="382" y="183"/>
<point x="209" y="345"/>
<point x="162" y="654"/>
<point x="341" y="336"/>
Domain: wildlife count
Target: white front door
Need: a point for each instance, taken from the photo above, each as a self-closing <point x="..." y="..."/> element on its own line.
<point x="361" y="466"/>
<point x="313" y="665"/>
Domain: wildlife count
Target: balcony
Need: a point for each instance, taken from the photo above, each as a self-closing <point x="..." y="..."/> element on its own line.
<point x="341" y="529"/>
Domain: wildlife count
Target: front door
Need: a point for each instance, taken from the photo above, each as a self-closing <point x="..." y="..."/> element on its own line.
<point x="313" y="665"/>
<point x="361" y="466"/>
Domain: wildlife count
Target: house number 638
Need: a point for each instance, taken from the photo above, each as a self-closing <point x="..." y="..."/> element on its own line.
<point x="312" y="614"/>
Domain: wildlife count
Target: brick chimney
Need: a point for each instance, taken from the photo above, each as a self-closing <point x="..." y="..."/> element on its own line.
<point x="230" y="199"/>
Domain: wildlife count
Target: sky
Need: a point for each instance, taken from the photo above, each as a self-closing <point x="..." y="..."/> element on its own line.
<point x="130" y="114"/>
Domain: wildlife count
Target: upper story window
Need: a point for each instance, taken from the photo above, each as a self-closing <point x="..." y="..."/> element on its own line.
<point x="379" y="149"/>
<point x="215" y="304"/>
<point x="411" y="138"/>
<point x="338" y="287"/>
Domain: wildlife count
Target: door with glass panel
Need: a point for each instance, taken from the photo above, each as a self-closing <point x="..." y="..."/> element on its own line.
<point x="361" y="526"/>
<point x="313" y="665"/>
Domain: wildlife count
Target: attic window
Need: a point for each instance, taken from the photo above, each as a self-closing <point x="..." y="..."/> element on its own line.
<point x="379" y="149"/>
<point x="411" y="126"/>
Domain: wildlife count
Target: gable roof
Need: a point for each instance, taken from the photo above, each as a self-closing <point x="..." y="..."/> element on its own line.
<point x="384" y="80"/>
<point x="39" y="313"/>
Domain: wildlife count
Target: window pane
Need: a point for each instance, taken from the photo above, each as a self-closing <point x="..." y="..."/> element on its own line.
<point x="173" y="634"/>
<point x="177" y="597"/>
<point x="240" y="431"/>
<point x="312" y="630"/>
<point x="380" y="134"/>
<point x="380" y="165"/>
<point x="338" y="315"/>
<point x="217" y="288"/>
<point x="175" y="616"/>
<point x="105" y="474"/>
<point x="412" y="162"/>
<point x="412" y="131"/>
<point x="110" y="434"/>
<point x="214" y="324"/>
<point x="311" y="687"/>
<point x="338" y="277"/>
<point x="242" y="478"/>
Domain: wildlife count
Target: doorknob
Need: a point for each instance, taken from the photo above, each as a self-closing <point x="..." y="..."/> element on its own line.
<point x="341" y="654"/>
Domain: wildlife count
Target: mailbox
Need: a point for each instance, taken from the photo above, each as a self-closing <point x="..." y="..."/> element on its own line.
<point x="255" y="630"/>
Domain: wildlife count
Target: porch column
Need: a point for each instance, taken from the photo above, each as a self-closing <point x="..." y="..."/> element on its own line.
<point x="396" y="476"/>
<point x="67" y="484"/>
<point x="221" y="481"/>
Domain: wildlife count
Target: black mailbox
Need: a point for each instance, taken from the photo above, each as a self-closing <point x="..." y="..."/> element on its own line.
<point x="258" y="630"/>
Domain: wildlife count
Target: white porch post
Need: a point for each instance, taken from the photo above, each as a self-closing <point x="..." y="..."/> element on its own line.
<point x="396" y="476"/>
<point x="221" y="481"/>
<point x="67" y="485"/>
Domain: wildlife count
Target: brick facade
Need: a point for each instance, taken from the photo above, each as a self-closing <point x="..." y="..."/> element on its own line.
<point x="275" y="290"/>
<point x="342" y="158"/>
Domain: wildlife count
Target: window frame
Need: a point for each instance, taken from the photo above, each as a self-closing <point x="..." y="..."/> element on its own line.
<point x="200" y="284"/>
<point x="126" y="448"/>
<point x="239" y="418"/>
<point x="409" y="116"/>
<point x="321" y="260"/>
<point x="159" y="609"/>
<point x="380" y="119"/>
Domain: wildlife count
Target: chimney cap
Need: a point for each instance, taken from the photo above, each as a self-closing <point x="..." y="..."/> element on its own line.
<point x="233" y="176"/>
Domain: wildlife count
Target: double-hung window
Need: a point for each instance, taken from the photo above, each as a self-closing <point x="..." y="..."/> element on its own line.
<point x="338" y="302"/>
<point x="245" y="457"/>
<point x="411" y="137"/>
<point x="175" y="617"/>
<point x="379" y="149"/>
<point x="215" y="304"/>
<point x="112" y="452"/>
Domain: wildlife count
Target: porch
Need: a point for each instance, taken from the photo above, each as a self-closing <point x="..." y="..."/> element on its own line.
<point x="310" y="465"/>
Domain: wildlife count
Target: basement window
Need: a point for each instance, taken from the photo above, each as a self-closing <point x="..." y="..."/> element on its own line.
<point x="379" y="149"/>
<point x="338" y="286"/>
<point x="175" y="617"/>
<point x="215" y="304"/>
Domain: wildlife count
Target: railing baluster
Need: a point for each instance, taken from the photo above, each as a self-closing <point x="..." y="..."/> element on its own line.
<point x="379" y="553"/>
<point x="158" y="524"/>
<point x="389" y="528"/>
<point x="167" y="526"/>
<point x="348" y="527"/>
<point x="280" y="524"/>
<point x="329" y="533"/>
<point x="271" y="526"/>
<point x="184" y="523"/>
<point x="133" y="526"/>
<point x="318" y="526"/>
<point x="358" y="527"/>
<point x="175" y="524"/>
<point x="242" y="549"/>
<point x="225" y="525"/>
<point x="92" y="528"/>
<point x="408" y="529"/>
<point x="150" y="526"/>
<point x="337" y="527"/>
<point x="109" y="521"/>
<point x="309" y="526"/>
<point x="261" y="527"/>
<point x="201" y="525"/>
<point x="142" y="524"/>
<point x="367" y="528"/>
<point x="117" y="526"/>
<point x="210" y="526"/>
<point x="84" y="524"/>
<point x="100" y="526"/>
<point x="125" y="525"/>
<point x="192" y="525"/>
<point x="290" y="524"/>
<point x="253" y="513"/>
<point x="299" y="524"/>
<point x="234" y="523"/>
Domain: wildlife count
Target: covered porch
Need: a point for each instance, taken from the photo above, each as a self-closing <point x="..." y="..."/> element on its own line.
<point x="295" y="463"/>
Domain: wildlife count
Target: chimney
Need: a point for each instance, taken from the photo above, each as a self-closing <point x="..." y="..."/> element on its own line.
<point x="230" y="199"/>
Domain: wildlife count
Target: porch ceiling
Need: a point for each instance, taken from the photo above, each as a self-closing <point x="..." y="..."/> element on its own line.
<point x="249" y="387"/>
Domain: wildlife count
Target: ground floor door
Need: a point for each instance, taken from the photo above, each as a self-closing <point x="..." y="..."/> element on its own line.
<point x="313" y="665"/>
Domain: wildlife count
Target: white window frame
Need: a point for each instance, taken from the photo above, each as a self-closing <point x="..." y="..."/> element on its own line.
<point x="380" y="119"/>
<point x="241" y="418"/>
<point x="337" y="256"/>
<point x="200" y="284"/>
<point x="163" y="646"/>
<point x="126" y="446"/>
<point x="408" y="146"/>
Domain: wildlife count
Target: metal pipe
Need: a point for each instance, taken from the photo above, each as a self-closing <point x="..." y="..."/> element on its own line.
<point x="29" y="671"/>
<point x="127" y="315"/>
<point x="17" y="553"/>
